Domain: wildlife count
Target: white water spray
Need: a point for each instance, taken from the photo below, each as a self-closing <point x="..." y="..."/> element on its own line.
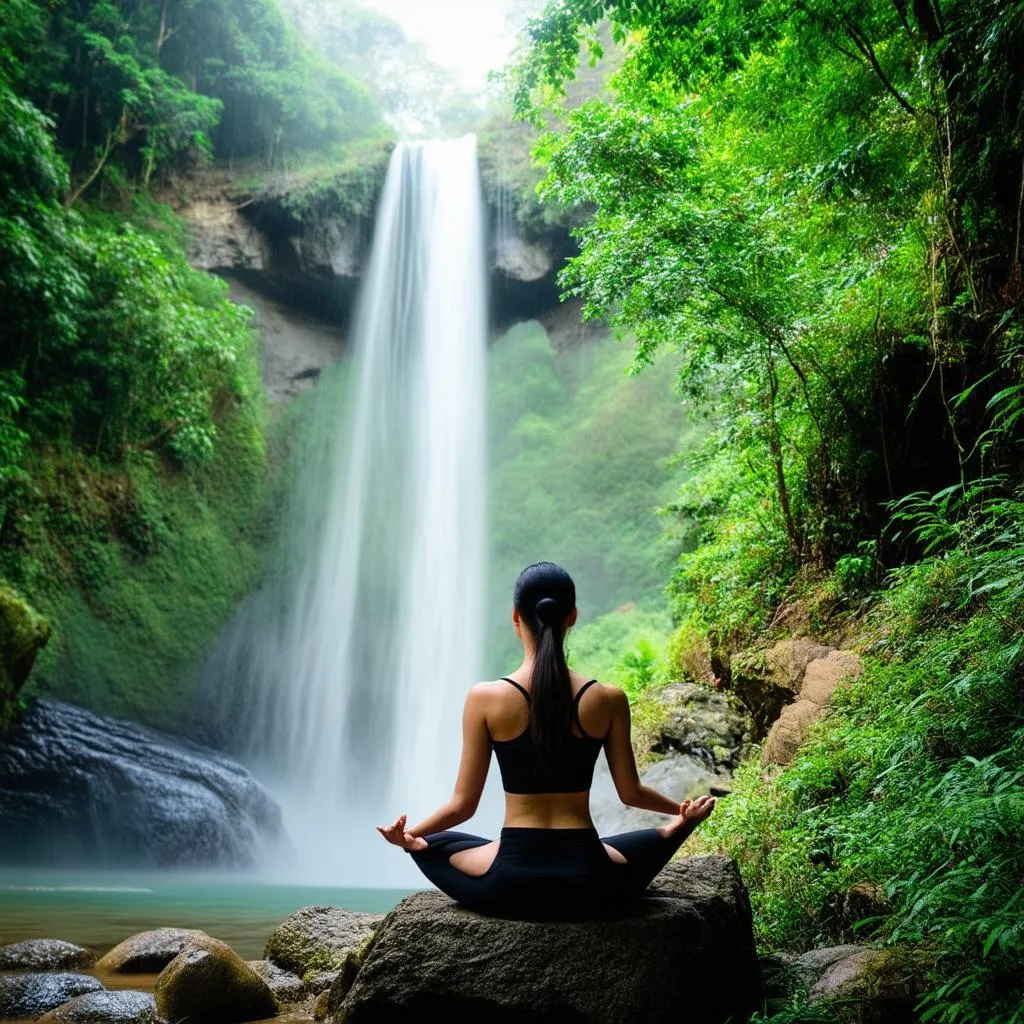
<point x="351" y="669"/>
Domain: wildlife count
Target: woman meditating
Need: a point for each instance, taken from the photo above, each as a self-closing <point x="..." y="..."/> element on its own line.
<point x="546" y="726"/>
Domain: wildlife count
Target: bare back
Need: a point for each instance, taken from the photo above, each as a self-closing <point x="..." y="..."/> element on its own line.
<point x="506" y="716"/>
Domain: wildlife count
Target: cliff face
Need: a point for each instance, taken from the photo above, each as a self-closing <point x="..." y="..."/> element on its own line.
<point x="305" y="245"/>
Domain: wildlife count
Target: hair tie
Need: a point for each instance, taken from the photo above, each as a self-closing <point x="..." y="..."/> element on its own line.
<point x="548" y="611"/>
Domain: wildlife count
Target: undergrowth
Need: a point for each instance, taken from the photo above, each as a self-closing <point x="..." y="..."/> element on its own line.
<point x="915" y="781"/>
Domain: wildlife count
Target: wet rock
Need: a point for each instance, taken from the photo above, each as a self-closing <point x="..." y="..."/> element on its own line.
<point x="321" y="1005"/>
<point x="345" y="978"/>
<point x="456" y="964"/>
<point x="77" y="787"/>
<point x="105" y="1008"/>
<point x="287" y="987"/>
<point x="211" y="984"/>
<point x="319" y="981"/>
<point x="767" y="680"/>
<point x="27" y="995"/>
<point x="875" y="986"/>
<point x="703" y="722"/>
<point x="149" y="952"/>
<point x="819" y="682"/>
<point x="44" y="955"/>
<point x="317" y="939"/>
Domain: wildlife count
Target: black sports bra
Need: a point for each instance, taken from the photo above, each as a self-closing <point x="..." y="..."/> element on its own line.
<point x="574" y="773"/>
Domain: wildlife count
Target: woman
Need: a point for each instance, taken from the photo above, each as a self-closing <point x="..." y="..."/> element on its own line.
<point x="546" y="726"/>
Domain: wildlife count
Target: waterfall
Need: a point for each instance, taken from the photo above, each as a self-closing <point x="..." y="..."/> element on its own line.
<point x="343" y="678"/>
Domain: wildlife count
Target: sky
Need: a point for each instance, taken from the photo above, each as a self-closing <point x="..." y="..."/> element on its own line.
<point x="467" y="37"/>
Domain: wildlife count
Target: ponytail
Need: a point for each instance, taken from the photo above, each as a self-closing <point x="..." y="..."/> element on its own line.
<point x="545" y="596"/>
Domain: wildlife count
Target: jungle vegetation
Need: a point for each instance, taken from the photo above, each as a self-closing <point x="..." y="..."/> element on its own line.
<point x="132" y="446"/>
<point x="817" y="207"/>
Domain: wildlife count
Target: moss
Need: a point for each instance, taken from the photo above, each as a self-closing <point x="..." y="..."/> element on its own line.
<point x="139" y="566"/>
<point x="23" y="632"/>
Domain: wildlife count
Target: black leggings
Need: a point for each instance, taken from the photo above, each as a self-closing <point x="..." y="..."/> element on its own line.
<point x="542" y="873"/>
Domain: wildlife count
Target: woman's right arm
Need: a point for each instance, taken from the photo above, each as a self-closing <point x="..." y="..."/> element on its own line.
<point x="618" y="748"/>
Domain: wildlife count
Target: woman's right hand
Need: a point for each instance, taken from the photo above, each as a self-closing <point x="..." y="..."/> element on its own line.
<point x="397" y="835"/>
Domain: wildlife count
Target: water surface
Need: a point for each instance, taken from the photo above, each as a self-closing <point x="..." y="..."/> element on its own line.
<point x="99" y="909"/>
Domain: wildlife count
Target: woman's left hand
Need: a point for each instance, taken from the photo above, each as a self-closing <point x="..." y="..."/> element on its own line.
<point x="397" y="835"/>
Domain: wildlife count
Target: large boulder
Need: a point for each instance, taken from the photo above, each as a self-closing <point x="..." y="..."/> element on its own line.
<point x="317" y="939"/>
<point x="873" y="986"/>
<point x="432" y="959"/>
<point x="819" y="682"/>
<point x="28" y="995"/>
<point x="767" y="680"/>
<point x="105" y="1008"/>
<point x="149" y="952"/>
<point x="211" y="984"/>
<point x="703" y="722"/>
<point x="45" y="955"/>
<point x="77" y="787"/>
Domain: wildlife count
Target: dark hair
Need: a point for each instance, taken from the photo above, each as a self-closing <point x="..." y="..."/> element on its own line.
<point x="545" y="596"/>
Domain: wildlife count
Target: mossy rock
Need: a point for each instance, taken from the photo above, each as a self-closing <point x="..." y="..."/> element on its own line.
<point x="22" y="633"/>
<point x="315" y="941"/>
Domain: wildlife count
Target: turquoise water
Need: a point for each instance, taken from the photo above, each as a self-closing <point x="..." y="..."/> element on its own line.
<point x="98" y="910"/>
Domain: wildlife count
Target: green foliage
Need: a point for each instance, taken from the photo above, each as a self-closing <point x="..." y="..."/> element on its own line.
<point x="817" y="206"/>
<point x="139" y="88"/>
<point x="913" y="783"/>
<point x="138" y="567"/>
<point x="622" y="647"/>
<point x="776" y="196"/>
<point x="22" y="633"/>
<point x="578" y="453"/>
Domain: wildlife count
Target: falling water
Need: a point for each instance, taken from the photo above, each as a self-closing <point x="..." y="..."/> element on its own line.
<point x="350" y="668"/>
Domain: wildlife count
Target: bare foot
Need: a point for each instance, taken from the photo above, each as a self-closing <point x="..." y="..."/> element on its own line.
<point x="691" y="814"/>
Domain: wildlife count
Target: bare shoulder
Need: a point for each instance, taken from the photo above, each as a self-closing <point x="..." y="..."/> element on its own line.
<point x="487" y="693"/>
<point x="614" y="696"/>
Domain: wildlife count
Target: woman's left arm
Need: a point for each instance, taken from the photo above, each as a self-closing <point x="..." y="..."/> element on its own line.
<point x="469" y="784"/>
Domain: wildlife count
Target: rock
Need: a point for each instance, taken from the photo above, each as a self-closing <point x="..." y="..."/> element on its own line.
<point x="703" y="722"/>
<point x="27" y="995"/>
<point x="819" y="682"/>
<point x="345" y="978"/>
<point x="875" y="986"/>
<point x="776" y="975"/>
<point x="318" y="981"/>
<point x="865" y="902"/>
<point x="212" y="984"/>
<point x="317" y="939"/>
<point x="220" y="237"/>
<point x="105" y="1008"/>
<point x="680" y="776"/>
<point x="22" y="634"/>
<point x="788" y="732"/>
<point x="77" y="787"/>
<point x="149" y="952"/>
<point x="767" y="680"/>
<point x="433" y="959"/>
<point x="294" y="349"/>
<point x="287" y="987"/>
<point x="44" y="955"/>
<point x="320" y="1006"/>
<point x="523" y="260"/>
